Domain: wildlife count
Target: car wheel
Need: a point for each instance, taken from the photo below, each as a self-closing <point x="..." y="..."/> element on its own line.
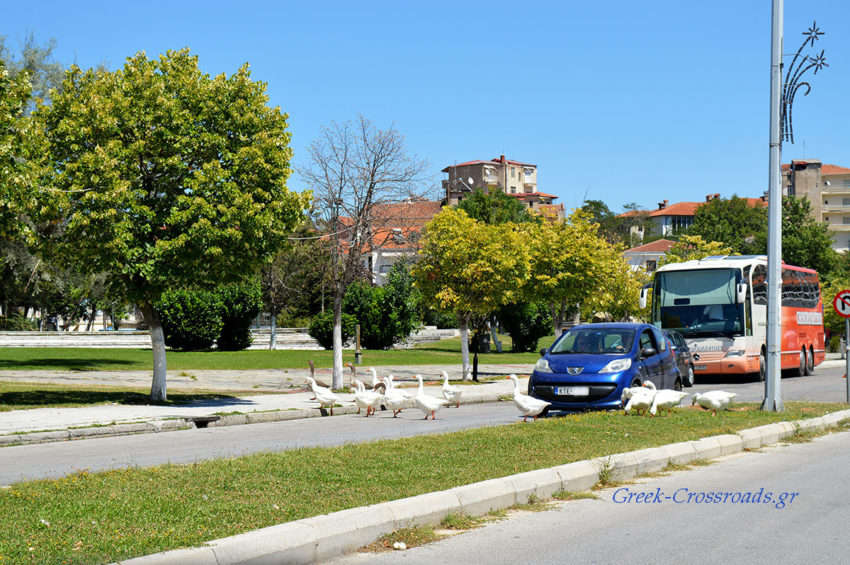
<point x="691" y="378"/>
<point x="678" y="384"/>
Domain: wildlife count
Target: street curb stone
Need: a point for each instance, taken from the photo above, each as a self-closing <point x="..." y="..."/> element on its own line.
<point x="329" y="535"/>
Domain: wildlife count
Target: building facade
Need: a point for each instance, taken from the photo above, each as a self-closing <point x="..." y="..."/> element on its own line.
<point x="828" y="189"/>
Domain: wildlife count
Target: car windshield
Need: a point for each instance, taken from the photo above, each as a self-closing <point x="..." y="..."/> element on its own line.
<point x="595" y="340"/>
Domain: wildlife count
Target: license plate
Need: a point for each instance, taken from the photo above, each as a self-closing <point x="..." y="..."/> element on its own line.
<point x="700" y="367"/>
<point x="572" y="391"/>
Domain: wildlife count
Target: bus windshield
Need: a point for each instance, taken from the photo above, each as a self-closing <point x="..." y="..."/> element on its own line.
<point x="698" y="303"/>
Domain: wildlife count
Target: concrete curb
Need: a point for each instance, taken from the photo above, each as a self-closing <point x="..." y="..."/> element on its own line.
<point x="330" y="535"/>
<point x="154" y="426"/>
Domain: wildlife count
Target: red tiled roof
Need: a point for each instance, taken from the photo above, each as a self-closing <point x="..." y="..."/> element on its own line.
<point x="658" y="246"/>
<point x="834" y="170"/>
<point x="490" y="162"/>
<point x="677" y="209"/>
<point x="397" y="225"/>
<point x="631" y="213"/>
<point x="532" y="195"/>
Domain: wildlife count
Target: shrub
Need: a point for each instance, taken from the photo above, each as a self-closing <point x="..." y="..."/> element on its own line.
<point x="191" y="319"/>
<point x="440" y="318"/>
<point x="322" y="328"/>
<point x="526" y="324"/>
<point x="17" y="323"/>
<point x="241" y="304"/>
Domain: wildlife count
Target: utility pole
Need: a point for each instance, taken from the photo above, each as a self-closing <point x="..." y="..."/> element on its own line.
<point x="773" y="380"/>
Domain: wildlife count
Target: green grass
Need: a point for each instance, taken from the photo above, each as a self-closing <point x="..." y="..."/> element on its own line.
<point x="104" y="517"/>
<point x="21" y="396"/>
<point x="445" y="352"/>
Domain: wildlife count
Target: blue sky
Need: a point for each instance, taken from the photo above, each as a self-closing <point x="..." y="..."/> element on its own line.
<point x="620" y="101"/>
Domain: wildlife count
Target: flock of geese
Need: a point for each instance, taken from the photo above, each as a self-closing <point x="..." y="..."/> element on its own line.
<point x="384" y="394"/>
<point x="646" y="398"/>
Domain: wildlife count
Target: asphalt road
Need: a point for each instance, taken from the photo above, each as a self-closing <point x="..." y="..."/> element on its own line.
<point x="53" y="460"/>
<point x="812" y="527"/>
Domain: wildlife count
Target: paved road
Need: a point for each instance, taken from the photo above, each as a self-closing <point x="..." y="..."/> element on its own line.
<point x="811" y="529"/>
<point x="59" y="459"/>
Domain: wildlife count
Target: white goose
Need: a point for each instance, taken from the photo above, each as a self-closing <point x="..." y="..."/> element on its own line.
<point x="324" y="395"/>
<point x="452" y="393"/>
<point x="640" y="398"/>
<point x="365" y="399"/>
<point x="665" y="399"/>
<point x="395" y="399"/>
<point x="714" y="400"/>
<point x="527" y="405"/>
<point x="428" y="404"/>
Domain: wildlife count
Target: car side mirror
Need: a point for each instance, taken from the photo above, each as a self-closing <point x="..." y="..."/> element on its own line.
<point x="543" y="352"/>
<point x="648" y="352"/>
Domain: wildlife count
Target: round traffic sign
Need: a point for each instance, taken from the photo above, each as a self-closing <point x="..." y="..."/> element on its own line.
<point x="841" y="303"/>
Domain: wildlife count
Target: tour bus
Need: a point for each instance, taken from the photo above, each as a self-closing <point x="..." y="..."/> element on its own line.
<point x="719" y="305"/>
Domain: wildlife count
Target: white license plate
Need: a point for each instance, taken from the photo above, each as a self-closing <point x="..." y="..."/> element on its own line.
<point x="572" y="391"/>
<point x="700" y="367"/>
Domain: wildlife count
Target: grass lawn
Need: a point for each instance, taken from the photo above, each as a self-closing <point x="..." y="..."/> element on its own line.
<point x="104" y="517"/>
<point x="444" y="352"/>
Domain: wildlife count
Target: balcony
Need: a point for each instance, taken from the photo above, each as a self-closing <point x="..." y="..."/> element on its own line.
<point x="839" y="227"/>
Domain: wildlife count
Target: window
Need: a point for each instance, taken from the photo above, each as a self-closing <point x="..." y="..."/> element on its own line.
<point x="513" y="172"/>
<point x="800" y="289"/>
<point x="845" y="220"/>
<point x="650" y="265"/>
<point x="845" y="201"/>
<point x="760" y="285"/>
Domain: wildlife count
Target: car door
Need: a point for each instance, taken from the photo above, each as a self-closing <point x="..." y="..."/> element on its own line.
<point x="651" y="364"/>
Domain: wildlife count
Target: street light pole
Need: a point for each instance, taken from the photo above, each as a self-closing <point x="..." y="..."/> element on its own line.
<point x="773" y="387"/>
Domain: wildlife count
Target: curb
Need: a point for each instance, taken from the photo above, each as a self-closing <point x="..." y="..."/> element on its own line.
<point x="330" y="535"/>
<point x="187" y="423"/>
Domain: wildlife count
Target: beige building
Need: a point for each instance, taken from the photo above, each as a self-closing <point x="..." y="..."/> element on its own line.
<point x="828" y="189"/>
<point x="512" y="177"/>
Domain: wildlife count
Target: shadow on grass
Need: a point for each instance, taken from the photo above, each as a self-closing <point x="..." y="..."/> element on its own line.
<point x="31" y="398"/>
<point x="63" y="364"/>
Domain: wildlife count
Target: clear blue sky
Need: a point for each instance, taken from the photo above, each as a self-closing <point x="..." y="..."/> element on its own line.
<point x="620" y="101"/>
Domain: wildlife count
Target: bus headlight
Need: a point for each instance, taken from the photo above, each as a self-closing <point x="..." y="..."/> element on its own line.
<point x="617" y="365"/>
<point x="542" y="366"/>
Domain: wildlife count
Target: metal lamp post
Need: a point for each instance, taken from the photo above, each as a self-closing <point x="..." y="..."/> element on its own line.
<point x="781" y="102"/>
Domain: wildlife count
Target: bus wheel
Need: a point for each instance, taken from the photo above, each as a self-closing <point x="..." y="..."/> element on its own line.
<point x="811" y="360"/>
<point x="801" y="370"/>
<point x="762" y="366"/>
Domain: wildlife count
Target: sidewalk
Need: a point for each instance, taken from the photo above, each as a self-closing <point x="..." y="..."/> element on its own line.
<point x="57" y="424"/>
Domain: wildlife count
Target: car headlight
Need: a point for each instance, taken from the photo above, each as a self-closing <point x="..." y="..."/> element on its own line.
<point x="617" y="365"/>
<point x="735" y="353"/>
<point x="542" y="366"/>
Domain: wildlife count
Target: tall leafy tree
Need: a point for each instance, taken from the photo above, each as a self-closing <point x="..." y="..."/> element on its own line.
<point x="495" y="207"/>
<point x="805" y="241"/>
<point x="693" y="247"/>
<point x="165" y="177"/>
<point x="471" y="268"/>
<point x="732" y="222"/>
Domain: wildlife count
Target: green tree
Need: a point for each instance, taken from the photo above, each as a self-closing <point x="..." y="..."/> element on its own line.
<point x="693" y="247"/>
<point x="805" y="241"/>
<point x="165" y="177"/>
<point x="472" y="268"/>
<point x="495" y="207"/>
<point x="526" y="323"/>
<point x="242" y="303"/>
<point x="732" y="222"/>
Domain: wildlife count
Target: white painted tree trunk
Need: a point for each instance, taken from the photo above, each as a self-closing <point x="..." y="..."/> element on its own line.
<point x="463" y="321"/>
<point x="158" y="387"/>
<point x="337" y="375"/>
<point x="494" y="336"/>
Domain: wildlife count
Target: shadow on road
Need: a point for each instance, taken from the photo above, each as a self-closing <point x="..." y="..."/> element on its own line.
<point x="14" y="400"/>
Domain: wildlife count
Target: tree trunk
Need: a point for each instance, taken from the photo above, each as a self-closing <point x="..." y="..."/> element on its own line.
<point x="337" y="375"/>
<point x="494" y="335"/>
<point x="463" y="321"/>
<point x="273" y="338"/>
<point x="158" y="393"/>
<point x="556" y="319"/>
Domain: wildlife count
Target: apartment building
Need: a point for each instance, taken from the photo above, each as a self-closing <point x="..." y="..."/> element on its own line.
<point x="514" y="178"/>
<point x="828" y="189"/>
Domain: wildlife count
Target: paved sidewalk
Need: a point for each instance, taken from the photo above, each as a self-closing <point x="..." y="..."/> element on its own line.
<point x="113" y="419"/>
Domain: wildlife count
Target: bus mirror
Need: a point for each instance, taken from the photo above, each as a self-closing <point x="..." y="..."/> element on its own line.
<point x="643" y="292"/>
<point x="742" y="293"/>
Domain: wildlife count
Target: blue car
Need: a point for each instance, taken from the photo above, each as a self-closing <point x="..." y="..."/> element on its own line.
<point x="590" y="365"/>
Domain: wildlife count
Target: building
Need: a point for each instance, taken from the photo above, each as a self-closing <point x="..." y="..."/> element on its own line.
<point x="394" y="233"/>
<point x="828" y="189"/>
<point x="646" y="256"/>
<point x="511" y="177"/>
